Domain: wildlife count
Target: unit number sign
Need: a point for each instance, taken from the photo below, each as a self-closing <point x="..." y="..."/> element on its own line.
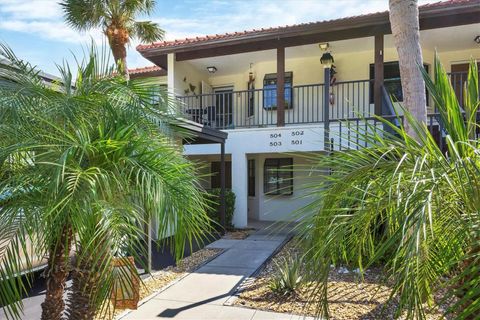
<point x="292" y="138"/>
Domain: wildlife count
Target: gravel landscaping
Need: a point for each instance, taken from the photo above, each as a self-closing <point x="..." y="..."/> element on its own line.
<point x="160" y="279"/>
<point x="348" y="297"/>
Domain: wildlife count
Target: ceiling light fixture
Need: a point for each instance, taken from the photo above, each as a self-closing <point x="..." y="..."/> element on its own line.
<point x="212" y="69"/>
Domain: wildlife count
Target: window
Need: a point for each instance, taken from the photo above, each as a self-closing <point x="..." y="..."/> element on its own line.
<point x="215" y="177"/>
<point x="391" y="80"/>
<point x="270" y="91"/>
<point x="251" y="178"/>
<point x="278" y="176"/>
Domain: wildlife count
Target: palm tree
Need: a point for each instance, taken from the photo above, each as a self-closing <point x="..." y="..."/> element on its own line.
<point x="404" y="203"/>
<point x="406" y="33"/>
<point x="117" y="21"/>
<point x="85" y="165"/>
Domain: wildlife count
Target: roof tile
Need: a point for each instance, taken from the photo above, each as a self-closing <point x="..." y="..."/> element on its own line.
<point x="232" y="35"/>
<point x="144" y="70"/>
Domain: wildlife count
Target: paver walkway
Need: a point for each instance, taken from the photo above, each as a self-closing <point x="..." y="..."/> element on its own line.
<point x="202" y="294"/>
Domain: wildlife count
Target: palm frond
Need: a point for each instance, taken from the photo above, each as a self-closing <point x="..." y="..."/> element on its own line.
<point x="140" y="6"/>
<point x="403" y="203"/>
<point x="99" y="156"/>
<point x="83" y="15"/>
<point x="147" y="31"/>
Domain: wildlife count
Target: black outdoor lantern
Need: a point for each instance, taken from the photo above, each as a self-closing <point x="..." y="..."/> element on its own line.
<point x="327" y="60"/>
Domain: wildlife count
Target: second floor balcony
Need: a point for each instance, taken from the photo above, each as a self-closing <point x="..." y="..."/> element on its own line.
<point x="229" y="109"/>
<point x="304" y="104"/>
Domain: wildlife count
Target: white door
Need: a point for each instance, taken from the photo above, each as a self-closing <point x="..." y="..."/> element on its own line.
<point x="224" y="107"/>
<point x="207" y="95"/>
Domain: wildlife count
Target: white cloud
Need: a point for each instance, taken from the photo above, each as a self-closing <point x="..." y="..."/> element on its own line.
<point x="43" y="18"/>
<point x="33" y="9"/>
<point x="50" y="30"/>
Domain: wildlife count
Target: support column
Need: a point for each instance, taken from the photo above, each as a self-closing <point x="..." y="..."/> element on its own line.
<point x="222" y="187"/>
<point x="378" y="67"/>
<point x="148" y="244"/>
<point x="326" y="109"/>
<point x="171" y="74"/>
<point x="239" y="187"/>
<point x="280" y="86"/>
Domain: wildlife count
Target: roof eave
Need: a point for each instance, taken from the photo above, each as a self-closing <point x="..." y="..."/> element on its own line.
<point x="371" y="20"/>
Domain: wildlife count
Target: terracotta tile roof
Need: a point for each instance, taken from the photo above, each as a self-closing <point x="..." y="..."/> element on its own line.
<point x="145" y="70"/>
<point x="266" y="31"/>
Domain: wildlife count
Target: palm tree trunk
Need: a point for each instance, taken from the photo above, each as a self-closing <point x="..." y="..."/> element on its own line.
<point x="81" y="304"/>
<point x="57" y="273"/>
<point x="406" y="33"/>
<point x="118" y="39"/>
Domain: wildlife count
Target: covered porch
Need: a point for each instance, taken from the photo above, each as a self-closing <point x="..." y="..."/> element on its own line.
<point x="273" y="77"/>
<point x="245" y="94"/>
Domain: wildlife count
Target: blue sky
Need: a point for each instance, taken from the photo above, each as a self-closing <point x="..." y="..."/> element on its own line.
<point x="35" y="30"/>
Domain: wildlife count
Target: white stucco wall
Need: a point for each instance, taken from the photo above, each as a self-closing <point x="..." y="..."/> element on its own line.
<point x="273" y="207"/>
<point x="259" y="143"/>
<point x="185" y="74"/>
<point x="283" y="207"/>
<point x="456" y="57"/>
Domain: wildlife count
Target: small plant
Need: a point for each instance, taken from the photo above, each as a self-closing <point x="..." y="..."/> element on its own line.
<point x="213" y="198"/>
<point x="288" y="277"/>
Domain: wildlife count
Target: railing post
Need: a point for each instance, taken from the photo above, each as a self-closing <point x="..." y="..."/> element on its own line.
<point x="222" y="188"/>
<point x="326" y="109"/>
<point x="280" y="86"/>
<point x="378" y="70"/>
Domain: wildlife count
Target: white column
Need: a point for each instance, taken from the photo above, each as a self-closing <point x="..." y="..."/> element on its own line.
<point x="239" y="187"/>
<point x="171" y="73"/>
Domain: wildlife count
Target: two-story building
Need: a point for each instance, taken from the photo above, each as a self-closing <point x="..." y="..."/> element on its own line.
<point x="267" y="89"/>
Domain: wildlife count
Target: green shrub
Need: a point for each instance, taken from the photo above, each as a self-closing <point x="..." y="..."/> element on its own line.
<point x="287" y="277"/>
<point x="213" y="197"/>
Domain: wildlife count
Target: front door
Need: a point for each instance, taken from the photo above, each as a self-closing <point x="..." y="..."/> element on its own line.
<point x="459" y="76"/>
<point x="224" y="108"/>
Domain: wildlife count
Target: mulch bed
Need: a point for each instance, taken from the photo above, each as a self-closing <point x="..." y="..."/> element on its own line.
<point x="348" y="297"/>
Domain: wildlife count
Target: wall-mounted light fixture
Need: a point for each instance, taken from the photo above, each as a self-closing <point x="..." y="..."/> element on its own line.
<point x="323" y="46"/>
<point x="477" y="39"/>
<point x="212" y="69"/>
<point x="327" y="58"/>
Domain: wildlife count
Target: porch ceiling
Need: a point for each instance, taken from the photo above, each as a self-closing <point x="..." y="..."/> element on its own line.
<point x="444" y="39"/>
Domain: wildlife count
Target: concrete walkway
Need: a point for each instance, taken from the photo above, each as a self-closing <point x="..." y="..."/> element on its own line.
<point x="203" y="294"/>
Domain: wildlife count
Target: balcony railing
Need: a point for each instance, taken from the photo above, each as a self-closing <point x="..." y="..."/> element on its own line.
<point x="350" y="133"/>
<point x="257" y="108"/>
<point x="305" y="104"/>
